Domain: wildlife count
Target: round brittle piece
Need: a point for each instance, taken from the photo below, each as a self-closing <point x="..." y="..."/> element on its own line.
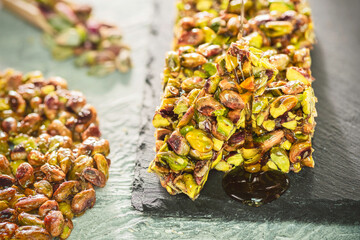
<point x="51" y="156"/>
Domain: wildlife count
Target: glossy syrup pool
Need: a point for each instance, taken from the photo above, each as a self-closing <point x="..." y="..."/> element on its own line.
<point x="255" y="189"/>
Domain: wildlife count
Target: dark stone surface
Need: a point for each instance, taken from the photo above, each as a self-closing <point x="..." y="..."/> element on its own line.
<point x="331" y="191"/>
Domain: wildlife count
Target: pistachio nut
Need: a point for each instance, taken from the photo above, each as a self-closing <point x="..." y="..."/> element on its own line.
<point x="65" y="190"/>
<point x="178" y="144"/>
<point x="192" y="83"/>
<point x="68" y="226"/>
<point x="29" y="219"/>
<point x="280" y="158"/>
<point x="32" y="232"/>
<point x="278" y="28"/>
<point x="298" y="74"/>
<point x="199" y="140"/>
<point x="80" y="164"/>
<point x="6" y="181"/>
<point x="192" y="60"/>
<point x="224" y="126"/>
<point x="208" y="106"/>
<point x="94" y="176"/>
<point x="83" y="201"/>
<point x="231" y="99"/>
<point x="201" y="156"/>
<point x="176" y="163"/>
<point x="25" y="175"/>
<point x="7" y="230"/>
<point x="271" y="139"/>
<point x="300" y="151"/>
<point x="54" y="223"/>
<point x="44" y="187"/>
<point x="48" y="206"/>
<point x="65" y="208"/>
<point x="102" y="164"/>
<point x="7" y="193"/>
<point x="53" y="173"/>
<point x="282" y="104"/>
<point x="30" y="203"/>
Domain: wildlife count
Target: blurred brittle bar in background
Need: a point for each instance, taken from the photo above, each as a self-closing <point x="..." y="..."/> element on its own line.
<point x="71" y="30"/>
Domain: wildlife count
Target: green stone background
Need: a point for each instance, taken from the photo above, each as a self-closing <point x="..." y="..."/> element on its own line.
<point x="118" y="99"/>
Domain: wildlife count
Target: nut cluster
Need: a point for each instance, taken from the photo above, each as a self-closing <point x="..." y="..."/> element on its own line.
<point x="96" y="44"/>
<point x="231" y="100"/>
<point x="51" y="156"/>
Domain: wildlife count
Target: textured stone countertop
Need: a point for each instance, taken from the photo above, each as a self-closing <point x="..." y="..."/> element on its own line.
<point x="118" y="99"/>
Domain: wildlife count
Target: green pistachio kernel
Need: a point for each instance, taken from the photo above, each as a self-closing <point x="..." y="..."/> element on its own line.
<point x="193" y="95"/>
<point x="280" y="158"/>
<point x="255" y="40"/>
<point x="286" y="145"/>
<point x="269" y="125"/>
<point x="278" y="28"/>
<point x="30" y="144"/>
<point x="175" y="162"/>
<point x="59" y="23"/>
<point x="200" y="73"/>
<point x="69" y="38"/>
<point x="209" y="106"/>
<point x="14" y="165"/>
<point x="249" y="153"/>
<point x="217" y="159"/>
<point x="259" y="120"/>
<point x="65" y="232"/>
<point x="30" y="219"/>
<point x="210" y="35"/>
<point x="210" y="69"/>
<point x="47" y="89"/>
<point x="290" y="125"/>
<point x="259" y="104"/>
<point x="186" y="129"/>
<point x="193" y="60"/>
<point x="191" y="83"/>
<point x="308" y="101"/>
<point x="235" y="160"/>
<point x="199" y="141"/>
<point x="281" y="6"/>
<point x="218" y="144"/>
<point x="88" y="58"/>
<point x="3" y="205"/>
<point x="231" y="62"/>
<point x="213" y="83"/>
<point x="235" y="5"/>
<point x="271" y="165"/>
<point x="3" y="104"/>
<point x="296" y="74"/>
<point x="62" y="53"/>
<point x="282" y="104"/>
<point x="225" y="126"/>
<point x="159" y="121"/>
<point x="192" y="189"/>
<point x="173" y="61"/>
<point x="223" y="166"/>
<point x="201" y="156"/>
<point x="181" y="107"/>
<point x="203" y="5"/>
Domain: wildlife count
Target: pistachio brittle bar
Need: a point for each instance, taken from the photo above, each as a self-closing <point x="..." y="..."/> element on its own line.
<point x="229" y="102"/>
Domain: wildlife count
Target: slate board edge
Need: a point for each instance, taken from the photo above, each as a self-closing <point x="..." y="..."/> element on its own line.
<point x="344" y="211"/>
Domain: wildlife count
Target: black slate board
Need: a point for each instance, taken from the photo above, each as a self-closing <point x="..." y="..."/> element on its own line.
<point x="330" y="191"/>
